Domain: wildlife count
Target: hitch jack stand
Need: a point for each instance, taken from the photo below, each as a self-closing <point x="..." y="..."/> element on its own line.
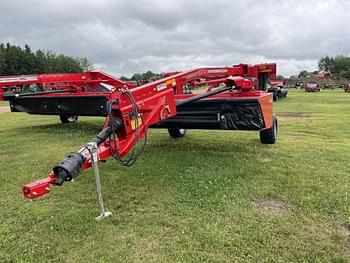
<point x="92" y="147"/>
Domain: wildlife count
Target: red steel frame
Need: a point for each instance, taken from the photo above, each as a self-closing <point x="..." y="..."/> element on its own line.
<point x="66" y="81"/>
<point x="215" y="75"/>
<point x="156" y="101"/>
<point x="86" y="83"/>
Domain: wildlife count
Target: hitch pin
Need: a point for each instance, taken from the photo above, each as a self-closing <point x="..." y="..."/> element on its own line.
<point x="92" y="147"/>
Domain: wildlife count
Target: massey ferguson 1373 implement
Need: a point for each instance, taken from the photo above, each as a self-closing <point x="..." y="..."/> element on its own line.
<point x="238" y="102"/>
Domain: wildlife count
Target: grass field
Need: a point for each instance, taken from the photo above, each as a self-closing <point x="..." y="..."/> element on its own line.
<point x="209" y="197"/>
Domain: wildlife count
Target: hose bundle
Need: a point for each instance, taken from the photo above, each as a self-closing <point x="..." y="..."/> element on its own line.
<point x="138" y="147"/>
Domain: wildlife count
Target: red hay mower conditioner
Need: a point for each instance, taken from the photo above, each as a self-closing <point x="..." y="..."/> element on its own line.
<point x="312" y="87"/>
<point x="238" y="102"/>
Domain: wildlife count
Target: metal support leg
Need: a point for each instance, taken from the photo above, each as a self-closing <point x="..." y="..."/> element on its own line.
<point x="92" y="147"/>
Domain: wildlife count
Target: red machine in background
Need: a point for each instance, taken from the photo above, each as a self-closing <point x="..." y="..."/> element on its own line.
<point x="312" y="87"/>
<point x="277" y="88"/>
<point x="347" y="87"/>
<point x="236" y="104"/>
<point x="38" y="94"/>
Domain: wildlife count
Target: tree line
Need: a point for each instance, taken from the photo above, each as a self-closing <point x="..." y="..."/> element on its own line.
<point x="339" y="66"/>
<point x="142" y="77"/>
<point x="15" y="60"/>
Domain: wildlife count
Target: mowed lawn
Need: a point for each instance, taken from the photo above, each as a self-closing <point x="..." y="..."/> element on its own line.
<point x="213" y="196"/>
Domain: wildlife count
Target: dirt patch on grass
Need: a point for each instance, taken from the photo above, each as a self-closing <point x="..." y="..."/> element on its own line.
<point x="346" y="230"/>
<point x="293" y="115"/>
<point x="4" y="109"/>
<point x="272" y="206"/>
<point x="265" y="159"/>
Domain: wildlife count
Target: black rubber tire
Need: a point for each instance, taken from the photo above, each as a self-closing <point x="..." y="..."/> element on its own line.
<point x="269" y="136"/>
<point x="275" y="97"/>
<point x="69" y="118"/>
<point x="177" y="132"/>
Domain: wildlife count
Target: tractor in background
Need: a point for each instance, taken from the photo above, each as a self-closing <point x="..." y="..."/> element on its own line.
<point x="277" y="88"/>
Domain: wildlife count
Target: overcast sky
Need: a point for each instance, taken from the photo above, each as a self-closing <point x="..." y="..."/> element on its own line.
<point x="124" y="37"/>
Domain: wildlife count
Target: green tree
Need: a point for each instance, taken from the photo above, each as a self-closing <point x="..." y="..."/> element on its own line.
<point x="339" y="65"/>
<point x="2" y="60"/>
<point x="137" y="77"/>
<point x="14" y="57"/>
<point x="15" y="60"/>
<point x="304" y="74"/>
<point x="326" y="63"/>
<point x="85" y="64"/>
<point x="147" y="75"/>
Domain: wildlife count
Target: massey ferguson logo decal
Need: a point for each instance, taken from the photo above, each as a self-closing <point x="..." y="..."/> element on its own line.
<point x="161" y="87"/>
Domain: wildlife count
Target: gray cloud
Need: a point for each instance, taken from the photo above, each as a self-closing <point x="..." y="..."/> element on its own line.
<point x="123" y="37"/>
